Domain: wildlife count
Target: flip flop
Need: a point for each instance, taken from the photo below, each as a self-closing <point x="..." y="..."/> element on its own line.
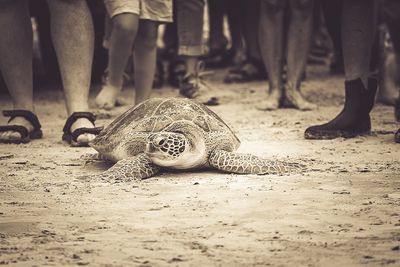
<point x="26" y="136"/>
<point x="72" y="137"/>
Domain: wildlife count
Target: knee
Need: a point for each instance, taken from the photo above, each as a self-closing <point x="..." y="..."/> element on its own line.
<point x="272" y="6"/>
<point x="124" y="25"/>
<point x="303" y="7"/>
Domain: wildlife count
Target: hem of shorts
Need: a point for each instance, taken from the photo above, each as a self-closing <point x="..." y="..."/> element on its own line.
<point x="157" y="19"/>
<point x="191" y="50"/>
<point x="122" y="12"/>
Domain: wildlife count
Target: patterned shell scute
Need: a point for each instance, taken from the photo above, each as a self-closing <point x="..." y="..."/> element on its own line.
<point x="156" y="114"/>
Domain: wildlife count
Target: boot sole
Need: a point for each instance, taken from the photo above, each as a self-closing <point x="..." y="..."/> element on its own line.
<point x="335" y="134"/>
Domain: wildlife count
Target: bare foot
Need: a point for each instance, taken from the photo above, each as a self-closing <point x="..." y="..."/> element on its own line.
<point x="123" y="100"/>
<point x="107" y="97"/>
<point x="272" y="101"/>
<point x="83" y="123"/>
<point x="297" y="100"/>
<point x="16" y="136"/>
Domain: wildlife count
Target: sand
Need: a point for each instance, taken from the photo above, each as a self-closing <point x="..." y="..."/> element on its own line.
<point x="343" y="211"/>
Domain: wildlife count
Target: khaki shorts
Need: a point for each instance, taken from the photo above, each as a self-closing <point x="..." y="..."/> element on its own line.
<point x="155" y="10"/>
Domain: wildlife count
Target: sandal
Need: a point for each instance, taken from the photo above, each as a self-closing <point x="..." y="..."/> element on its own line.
<point x="248" y="71"/>
<point x="176" y="72"/>
<point x="72" y="137"/>
<point x="26" y="136"/>
<point x="219" y="57"/>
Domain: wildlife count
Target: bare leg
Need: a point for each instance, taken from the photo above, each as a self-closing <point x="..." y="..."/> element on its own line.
<point x="191" y="64"/>
<point x="271" y="47"/>
<point x="390" y="69"/>
<point x="123" y="34"/>
<point x="145" y="59"/>
<point x="72" y="33"/>
<point x="16" y="59"/>
<point x="389" y="74"/>
<point x="299" y="37"/>
<point x="358" y="23"/>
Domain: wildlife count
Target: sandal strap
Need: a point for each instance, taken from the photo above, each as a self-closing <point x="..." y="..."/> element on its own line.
<point x="84" y="130"/>
<point x="16" y="128"/>
<point x="75" y="116"/>
<point x="28" y="115"/>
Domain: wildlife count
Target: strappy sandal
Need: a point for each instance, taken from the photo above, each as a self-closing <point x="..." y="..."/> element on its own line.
<point x="26" y="136"/>
<point x="176" y="72"/>
<point x="72" y="137"/>
<point x="247" y="71"/>
<point x="219" y="57"/>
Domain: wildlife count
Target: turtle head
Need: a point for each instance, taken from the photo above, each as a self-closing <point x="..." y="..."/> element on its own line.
<point x="176" y="150"/>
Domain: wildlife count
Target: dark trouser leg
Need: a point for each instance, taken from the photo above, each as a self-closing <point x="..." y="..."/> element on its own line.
<point x="358" y="31"/>
<point x="251" y="22"/>
<point x="234" y="11"/>
<point x="358" y="28"/>
<point x="216" y="10"/>
<point x="333" y="13"/>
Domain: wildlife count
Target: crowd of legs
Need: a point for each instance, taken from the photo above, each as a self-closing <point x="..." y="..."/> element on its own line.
<point x="268" y="40"/>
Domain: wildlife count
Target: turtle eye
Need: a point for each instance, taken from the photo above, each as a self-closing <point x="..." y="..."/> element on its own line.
<point x="161" y="142"/>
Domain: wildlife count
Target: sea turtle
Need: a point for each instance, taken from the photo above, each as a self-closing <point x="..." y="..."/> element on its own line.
<point x="176" y="133"/>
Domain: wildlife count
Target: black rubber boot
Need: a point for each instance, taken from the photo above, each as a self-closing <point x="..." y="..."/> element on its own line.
<point x="397" y="110"/>
<point x="397" y="116"/>
<point x="354" y="119"/>
<point x="397" y="136"/>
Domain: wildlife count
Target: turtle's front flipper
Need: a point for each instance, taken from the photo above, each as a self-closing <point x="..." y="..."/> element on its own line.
<point x="250" y="164"/>
<point x="134" y="168"/>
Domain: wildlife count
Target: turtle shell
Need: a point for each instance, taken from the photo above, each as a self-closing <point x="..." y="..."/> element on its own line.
<point x="155" y="114"/>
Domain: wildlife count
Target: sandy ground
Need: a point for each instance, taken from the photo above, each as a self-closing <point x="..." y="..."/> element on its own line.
<point x="344" y="211"/>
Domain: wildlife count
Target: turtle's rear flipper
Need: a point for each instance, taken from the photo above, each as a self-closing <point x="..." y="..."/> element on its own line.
<point x="135" y="168"/>
<point x="250" y="164"/>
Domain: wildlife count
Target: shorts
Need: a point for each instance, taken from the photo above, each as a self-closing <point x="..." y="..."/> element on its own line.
<point x="155" y="10"/>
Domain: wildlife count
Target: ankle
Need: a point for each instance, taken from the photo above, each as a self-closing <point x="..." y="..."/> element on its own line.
<point x="356" y="78"/>
<point x="275" y="92"/>
<point x="114" y="84"/>
<point x="24" y="106"/>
